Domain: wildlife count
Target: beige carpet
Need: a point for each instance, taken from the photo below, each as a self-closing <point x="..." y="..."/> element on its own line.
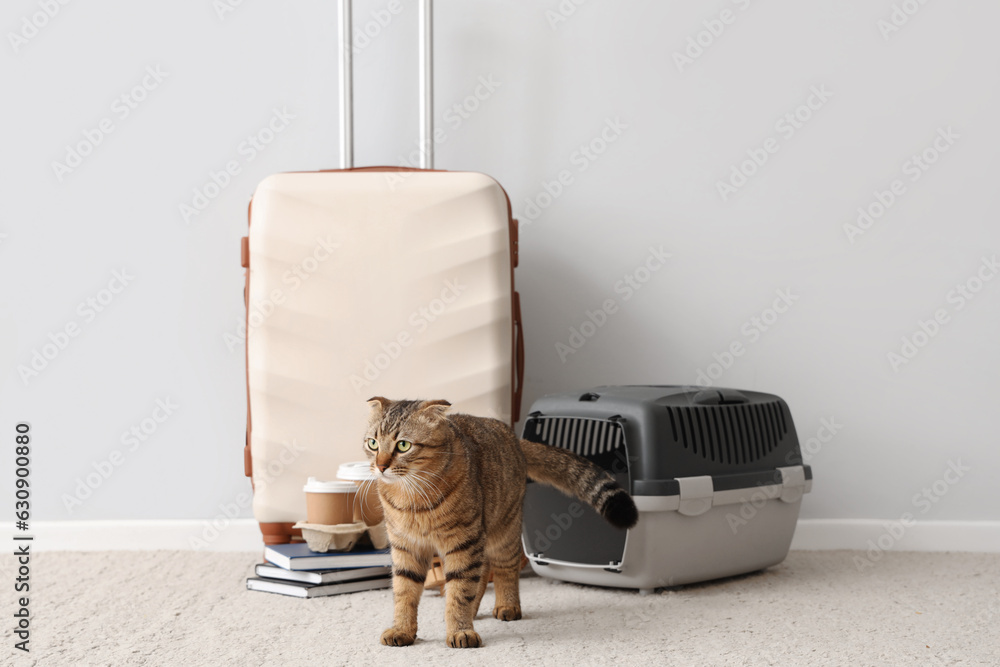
<point x="182" y="608"/>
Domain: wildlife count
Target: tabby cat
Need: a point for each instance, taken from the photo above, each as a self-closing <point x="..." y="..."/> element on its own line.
<point x="453" y="484"/>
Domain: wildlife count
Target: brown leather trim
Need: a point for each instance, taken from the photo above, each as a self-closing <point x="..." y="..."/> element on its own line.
<point x="279" y="533"/>
<point x="247" y="457"/>
<point x="517" y="388"/>
<point x="517" y="333"/>
<point x="245" y="252"/>
<point x="514" y="225"/>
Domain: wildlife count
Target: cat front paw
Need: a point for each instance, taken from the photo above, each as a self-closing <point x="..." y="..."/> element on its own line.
<point x="507" y="613"/>
<point x="394" y="637"/>
<point x="465" y="639"/>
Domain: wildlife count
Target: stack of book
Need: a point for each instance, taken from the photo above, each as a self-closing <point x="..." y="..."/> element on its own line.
<point x="292" y="569"/>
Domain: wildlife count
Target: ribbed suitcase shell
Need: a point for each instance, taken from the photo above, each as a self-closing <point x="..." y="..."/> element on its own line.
<point x="370" y="282"/>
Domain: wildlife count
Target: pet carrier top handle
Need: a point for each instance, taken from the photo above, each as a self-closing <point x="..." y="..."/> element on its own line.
<point x="426" y="72"/>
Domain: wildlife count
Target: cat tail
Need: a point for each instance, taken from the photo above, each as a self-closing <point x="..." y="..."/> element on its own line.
<point x="577" y="477"/>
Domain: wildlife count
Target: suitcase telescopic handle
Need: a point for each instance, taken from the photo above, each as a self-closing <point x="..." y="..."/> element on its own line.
<point x="426" y="76"/>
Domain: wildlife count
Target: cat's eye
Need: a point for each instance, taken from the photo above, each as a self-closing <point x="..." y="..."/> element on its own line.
<point x="403" y="445"/>
<point x="372" y="444"/>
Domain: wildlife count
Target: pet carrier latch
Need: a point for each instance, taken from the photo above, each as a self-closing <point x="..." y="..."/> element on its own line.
<point x="793" y="483"/>
<point x="540" y="559"/>
<point x="696" y="495"/>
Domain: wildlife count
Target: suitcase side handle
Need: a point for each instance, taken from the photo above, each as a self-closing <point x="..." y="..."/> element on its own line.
<point x="518" y="361"/>
<point x="426" y="84"/>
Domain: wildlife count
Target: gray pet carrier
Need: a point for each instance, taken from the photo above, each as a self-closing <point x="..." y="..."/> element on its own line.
<point x="716" y="474"/>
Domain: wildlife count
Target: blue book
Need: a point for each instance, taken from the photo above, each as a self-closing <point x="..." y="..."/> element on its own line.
<point x="298" y="556"/>
<point x="316" y="577"/>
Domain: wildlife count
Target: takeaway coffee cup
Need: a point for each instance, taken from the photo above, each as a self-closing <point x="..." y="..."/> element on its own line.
<point x="367" y="506"/>
<point x="329" y="503"/>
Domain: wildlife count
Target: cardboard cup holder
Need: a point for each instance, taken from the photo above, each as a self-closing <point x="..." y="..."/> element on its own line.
<point x="322" y="538"/>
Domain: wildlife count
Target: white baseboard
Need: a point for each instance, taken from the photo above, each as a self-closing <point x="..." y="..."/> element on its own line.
<point x="862" y="534"/>
<point x="140" y="535"/>
<point x="244" y="535"/>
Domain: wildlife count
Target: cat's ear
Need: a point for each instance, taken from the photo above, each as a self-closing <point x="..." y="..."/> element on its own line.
<point x="378" y="403"/>
<point x="435" y="409"/>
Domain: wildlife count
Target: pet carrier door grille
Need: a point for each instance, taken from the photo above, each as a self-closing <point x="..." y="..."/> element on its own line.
<point x="586" y="437"/>
<point x="564" y="529"/>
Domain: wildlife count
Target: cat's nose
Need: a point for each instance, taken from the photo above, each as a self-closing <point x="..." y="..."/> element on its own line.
<point x="381" y="468"/>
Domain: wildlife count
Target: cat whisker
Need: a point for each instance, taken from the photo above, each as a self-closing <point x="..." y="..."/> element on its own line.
<point x="415" y="490"/>
<point x="418" y="486"/>
<point x="409" y="492"/>
<point x="427" y="484"/>
<point x="363" y="492"/>
<point x="430" y="472"/>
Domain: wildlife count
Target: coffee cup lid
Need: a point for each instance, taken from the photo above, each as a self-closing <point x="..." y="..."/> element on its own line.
<point x="316" y="486"/>
<point x="356" y="471"/>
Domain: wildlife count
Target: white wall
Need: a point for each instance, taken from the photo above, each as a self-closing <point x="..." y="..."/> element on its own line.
<point x="163" y="336"/>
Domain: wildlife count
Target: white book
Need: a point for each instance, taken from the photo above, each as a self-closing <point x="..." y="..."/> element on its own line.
<point x="298" y="556"/>
<point x="304" y="590"/>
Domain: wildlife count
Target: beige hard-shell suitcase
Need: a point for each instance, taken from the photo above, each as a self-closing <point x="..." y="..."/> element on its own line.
<point x="370" y="281"/>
